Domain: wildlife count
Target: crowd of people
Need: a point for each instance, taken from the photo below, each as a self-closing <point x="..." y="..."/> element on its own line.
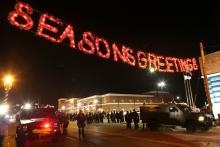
<point x="82" y="119"/>
<point x="110" y="117"/>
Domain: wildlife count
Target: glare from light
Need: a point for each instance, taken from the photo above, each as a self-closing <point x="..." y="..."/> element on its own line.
<point x="27" y="106"/>
<point x="100" y="110"/>
<point x="63" y="107"/>
<point x="12" y="120"/>
<point x="177" y="97"/>
<point x="161" y="84"/>
<point x="201" y="118"/>
<point x="7" y="116"/>
<point x="95" y="101"/>
<point x="46" y="125"/>
<point x="187" y="77"/>
<point x="4" y="109"/>
<point x="79" y="104"/>
<point x="8" y="80"/>
<point x="152" y="70"/>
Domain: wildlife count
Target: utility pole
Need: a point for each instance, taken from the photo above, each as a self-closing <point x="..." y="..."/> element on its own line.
<point x="205" y="77"/>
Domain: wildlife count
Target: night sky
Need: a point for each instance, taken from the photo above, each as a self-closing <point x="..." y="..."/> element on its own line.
<point x="46" y="71"/>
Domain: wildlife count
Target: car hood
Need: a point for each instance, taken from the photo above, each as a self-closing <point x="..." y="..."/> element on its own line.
<point x="34" y="120"/>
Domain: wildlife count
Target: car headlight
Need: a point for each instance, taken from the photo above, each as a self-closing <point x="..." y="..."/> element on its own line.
<point x="3" y="109"/>
<point x="201" y="118"/>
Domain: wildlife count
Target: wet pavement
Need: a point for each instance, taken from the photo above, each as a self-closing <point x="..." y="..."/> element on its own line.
<point x="116" y="135"/>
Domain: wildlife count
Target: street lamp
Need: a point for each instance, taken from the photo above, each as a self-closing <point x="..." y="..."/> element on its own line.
<point x="161" y="85"/>
<point x="189" y="96"/>
<point x="27" y="106"/>
<point x="178" y="97"/>
<point x="8" y="81"/>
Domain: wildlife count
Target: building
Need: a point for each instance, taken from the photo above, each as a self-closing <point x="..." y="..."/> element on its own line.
<point x="67" y="105"/>
<point x="212" y="67"/>
<point x="110" y="102"/>
<point x="160" y="96"/>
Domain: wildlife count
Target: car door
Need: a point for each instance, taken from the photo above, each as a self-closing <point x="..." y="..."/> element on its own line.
<point x="175" y="115"/>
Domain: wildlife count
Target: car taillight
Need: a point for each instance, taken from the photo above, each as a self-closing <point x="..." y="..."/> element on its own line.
<point x="46" y="125"/>
<point x="24" y="128"/>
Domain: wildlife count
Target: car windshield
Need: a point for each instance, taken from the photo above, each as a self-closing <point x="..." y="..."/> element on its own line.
<point x="185" y="108"/>
<point x="37" y="113"/>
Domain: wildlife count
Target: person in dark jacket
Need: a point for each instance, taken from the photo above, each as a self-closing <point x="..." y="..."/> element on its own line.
<point x="135" y="119"/>
<point x="65" y="124"/>
<point x="108" y="117"/>
<point x="81" y="118"/>
<point x="128" y="120"/>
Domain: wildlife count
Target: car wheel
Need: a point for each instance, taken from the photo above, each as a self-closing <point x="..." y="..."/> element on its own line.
<point x="154" y="126"/>
<point x="190" y="127"/>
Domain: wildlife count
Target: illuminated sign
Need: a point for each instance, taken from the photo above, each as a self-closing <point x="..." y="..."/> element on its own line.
<point x="47" y="27"/>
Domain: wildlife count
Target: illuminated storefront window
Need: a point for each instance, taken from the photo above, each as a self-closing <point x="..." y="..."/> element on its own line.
<point x="214" y="88"/>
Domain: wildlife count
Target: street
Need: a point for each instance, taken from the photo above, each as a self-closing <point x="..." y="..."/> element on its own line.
<point x="116" y="135"/>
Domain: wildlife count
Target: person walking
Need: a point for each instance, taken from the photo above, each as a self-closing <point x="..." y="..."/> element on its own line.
<point x="65" y="124"/>
<point x="81" y="118"/>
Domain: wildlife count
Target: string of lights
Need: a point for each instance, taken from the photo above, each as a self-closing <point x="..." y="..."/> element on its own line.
<point x="96" y="44"/>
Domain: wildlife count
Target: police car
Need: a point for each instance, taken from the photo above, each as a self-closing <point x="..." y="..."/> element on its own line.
<point x="37" y="122"/>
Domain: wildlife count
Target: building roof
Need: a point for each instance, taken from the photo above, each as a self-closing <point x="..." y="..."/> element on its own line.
<point x="156" y="92"/>
<point x="120" y="94"/>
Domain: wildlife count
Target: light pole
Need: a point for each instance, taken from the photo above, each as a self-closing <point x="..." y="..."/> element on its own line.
<point x="161" y="85"/>
<point x="8" y="82"/>
<point x="188" y="90"/>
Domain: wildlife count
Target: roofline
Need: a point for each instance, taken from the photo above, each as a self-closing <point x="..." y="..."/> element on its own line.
<point x="213" y="74"/>
<point x="90" y="97"/>
<point x="62" y="99"/>
<point x="210" y="54"/>
<point x="108" y="94"/>
<point x="72" y="99"/>
<point x="120" y="94"/>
